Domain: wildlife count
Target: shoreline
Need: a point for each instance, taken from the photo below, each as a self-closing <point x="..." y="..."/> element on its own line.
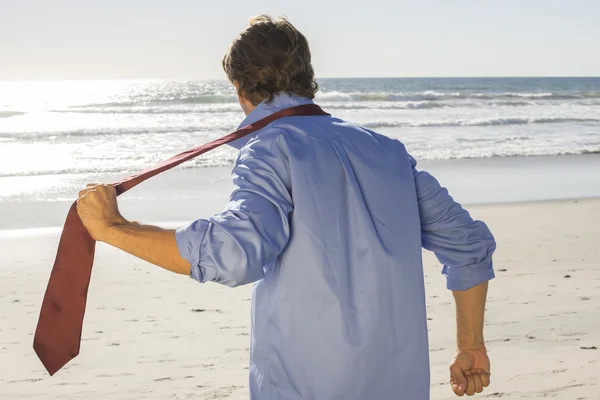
<point x="594" y="153"/>
<point x="192" y="193"/>
<point x="55" y="231"/>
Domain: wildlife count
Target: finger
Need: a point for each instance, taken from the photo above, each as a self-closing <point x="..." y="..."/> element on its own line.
<point x="485" y="379"/>
<point x="457" y="391"/>
<point x="458" y="381"/>
<point x="470" y="386"/>
<point x="478" y="384"/>
<point x="106" y="188"/>
<point x="482" y="371"/>
<point x="92" y="184"/>
<point x="458" y="388"/>
<point x="84" y="193"/>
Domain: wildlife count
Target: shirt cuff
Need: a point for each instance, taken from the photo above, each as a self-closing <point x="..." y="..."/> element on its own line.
<point x="189" y="240"/>
<point x="463" y="278"/>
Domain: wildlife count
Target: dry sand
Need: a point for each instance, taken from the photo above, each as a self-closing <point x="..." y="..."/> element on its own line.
<point x="149" y="334"/>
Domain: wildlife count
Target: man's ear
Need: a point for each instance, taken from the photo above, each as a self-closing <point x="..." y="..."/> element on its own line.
<point x="240" y="95"/>
<point x="237" y="90"/>
<point x="246" y="105"/>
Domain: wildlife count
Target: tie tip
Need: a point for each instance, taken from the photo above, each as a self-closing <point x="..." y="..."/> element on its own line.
<point x="52" y="361"/>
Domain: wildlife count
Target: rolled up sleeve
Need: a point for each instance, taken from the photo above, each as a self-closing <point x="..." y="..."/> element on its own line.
<point x="234" y="246"/>
<point x="463" y="245"/>
<point x="189" y="239"/>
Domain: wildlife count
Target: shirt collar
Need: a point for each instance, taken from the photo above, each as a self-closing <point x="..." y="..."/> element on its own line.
<point x="280" y="101"/>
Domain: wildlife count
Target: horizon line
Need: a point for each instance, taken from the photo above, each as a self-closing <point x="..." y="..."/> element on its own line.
<point x="319" y="78"/>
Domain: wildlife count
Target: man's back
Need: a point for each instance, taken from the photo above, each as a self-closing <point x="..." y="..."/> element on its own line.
<point x="325" y="217"/>
<point x="351" y="274"/>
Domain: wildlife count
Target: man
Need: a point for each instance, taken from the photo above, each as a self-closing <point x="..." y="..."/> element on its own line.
<point x="328" y="219"/>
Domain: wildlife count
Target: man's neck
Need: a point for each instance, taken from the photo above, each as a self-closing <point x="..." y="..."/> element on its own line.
<point x="248" y="108"/>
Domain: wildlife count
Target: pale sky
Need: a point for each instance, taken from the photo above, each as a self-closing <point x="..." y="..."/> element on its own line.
<point x="185" y="39"/>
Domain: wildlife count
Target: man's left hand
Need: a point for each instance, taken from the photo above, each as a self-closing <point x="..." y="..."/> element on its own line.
<point x="97" y="207"/>
<point x="470" y="371"/>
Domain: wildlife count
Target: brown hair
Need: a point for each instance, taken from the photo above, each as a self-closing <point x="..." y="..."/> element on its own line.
<point x="268" y="57"/>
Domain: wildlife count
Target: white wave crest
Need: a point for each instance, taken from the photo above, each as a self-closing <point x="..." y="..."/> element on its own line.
<point x="478" y="122"/>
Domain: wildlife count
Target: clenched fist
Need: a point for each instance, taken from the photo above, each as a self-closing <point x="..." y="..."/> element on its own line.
<point x="97" y="207"/>
<point x="470" y="371"/>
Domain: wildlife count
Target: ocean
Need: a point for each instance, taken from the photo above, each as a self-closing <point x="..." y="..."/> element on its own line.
<point x="55" y="133"/>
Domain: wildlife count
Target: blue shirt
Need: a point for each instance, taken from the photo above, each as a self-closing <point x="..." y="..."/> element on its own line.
<point x="328" y="219"/>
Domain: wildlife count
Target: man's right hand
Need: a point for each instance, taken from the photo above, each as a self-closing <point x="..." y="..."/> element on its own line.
<point x="470" y="371"/>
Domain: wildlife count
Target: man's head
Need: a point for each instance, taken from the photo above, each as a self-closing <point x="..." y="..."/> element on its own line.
<point x="270" y="56"/>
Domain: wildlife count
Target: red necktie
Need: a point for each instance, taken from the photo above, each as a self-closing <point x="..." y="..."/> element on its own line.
<point x="58" y="333"/>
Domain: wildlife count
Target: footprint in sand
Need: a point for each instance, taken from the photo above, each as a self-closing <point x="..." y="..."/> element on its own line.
<point x="199" y="310"/>
<point x="222" y="392"/>
<point x="26" y="380"/>
<point x="572" y="334"/>
<point x="232" y="350"/>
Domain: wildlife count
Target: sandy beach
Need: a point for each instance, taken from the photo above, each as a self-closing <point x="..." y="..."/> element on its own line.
<point x="149" y="334"/>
